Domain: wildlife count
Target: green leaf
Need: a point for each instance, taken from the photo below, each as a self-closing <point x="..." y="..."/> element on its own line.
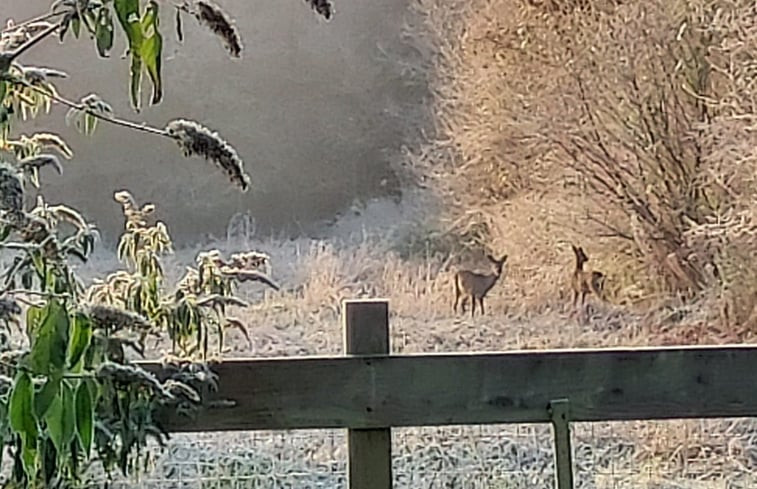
<point x="151" y="50"/>
<point x="45" y="397"/>
<point x="39" y="265"/>
<point x="20" y="406"/>
<point x="179" y="26"/>
<point x="135" y="82"/>
<point x="69" y="414"/>
<point x="127" y="12"/>
<point x="65" y="24"/>
<point x="104" y="32"/>
<point x="54" y="421"/>
<point x="3" y="90"/>
<point x="6" y="230"/>
<point x="61" y="418"/>
<point x="34" y="316"/>
<point x="29" y="454"/>
<point x="3" y="428"/>
<point x="81" y="336"/>
<point x="85" y="417"/>
<point x="76" y="26"/>
<point x="50" y="341"/>
<point x="27" y="279"/>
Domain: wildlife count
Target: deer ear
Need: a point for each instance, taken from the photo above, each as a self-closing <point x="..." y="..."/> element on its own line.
<point x="490" y="258"/>
<point x="504" y="259"/>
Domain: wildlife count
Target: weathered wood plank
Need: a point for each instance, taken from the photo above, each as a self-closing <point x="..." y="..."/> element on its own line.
<point x="366" y="331"/>
<point x="559" y="410"/>
<point x="380" y="391"/>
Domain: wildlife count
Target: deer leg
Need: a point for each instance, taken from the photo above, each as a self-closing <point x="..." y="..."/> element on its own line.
<point x="583" y="306"/>
<point x="473" y="306"/>
<point x="481" y="303"/>
<point x="574" y="303"/>
<point x="457" y="300"/>
<point x="463" y="304"/>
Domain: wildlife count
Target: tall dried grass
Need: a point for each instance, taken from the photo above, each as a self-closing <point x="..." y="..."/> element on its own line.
<point x="624" y="126"/>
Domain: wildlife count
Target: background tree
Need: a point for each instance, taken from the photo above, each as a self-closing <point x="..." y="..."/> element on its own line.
<point x="602" y="121"/>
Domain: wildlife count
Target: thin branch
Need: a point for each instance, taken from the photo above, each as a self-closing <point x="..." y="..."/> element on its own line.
<point x="36" y="293"/>
<point x="8" y="57"/>
<point x="24" y="368"/>
<point x="84" y="108"/>
<point x="34" y="20"/>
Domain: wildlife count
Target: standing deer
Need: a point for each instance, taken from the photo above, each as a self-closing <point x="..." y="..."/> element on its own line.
<point x="476" y="285"/>
<point x="583" y="281"/>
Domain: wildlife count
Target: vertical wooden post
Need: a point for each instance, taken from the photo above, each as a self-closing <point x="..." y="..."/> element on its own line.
<point x="366" y="331"/>
<point x="559" y="411"/>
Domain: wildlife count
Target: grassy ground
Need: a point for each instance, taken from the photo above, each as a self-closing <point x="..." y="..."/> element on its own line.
<point x="365" y="254"/>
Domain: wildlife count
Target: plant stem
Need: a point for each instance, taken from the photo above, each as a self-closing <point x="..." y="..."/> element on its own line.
<point x="12" y="55"/>
<point x="143" y="127"/>
<point x="30" y="371"/>
<point x="34" y="20"/>
<point x="36" y="293"/>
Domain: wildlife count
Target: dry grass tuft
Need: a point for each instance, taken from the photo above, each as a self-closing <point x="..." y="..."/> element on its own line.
<point x="196" y="139"/>
<point x="214" y="18"/>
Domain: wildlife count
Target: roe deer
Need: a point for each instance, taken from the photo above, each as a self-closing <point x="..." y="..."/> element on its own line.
<point x="476" y="285"/>
<point x="583" y="281"/>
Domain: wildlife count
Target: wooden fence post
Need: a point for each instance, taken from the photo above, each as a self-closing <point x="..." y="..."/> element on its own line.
<point x="366" y="331"/>
<point x="559" y="410"/>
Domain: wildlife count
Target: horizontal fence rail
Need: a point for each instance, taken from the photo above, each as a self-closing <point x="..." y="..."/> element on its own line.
<point x="376" y="391"/>
<point x="369" y="391"/>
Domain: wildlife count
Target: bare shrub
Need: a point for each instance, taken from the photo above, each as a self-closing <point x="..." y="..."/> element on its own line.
<point x="645" y="109"/>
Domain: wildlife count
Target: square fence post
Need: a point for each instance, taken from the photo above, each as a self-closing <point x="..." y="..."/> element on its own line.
<point x="366" y="331"/>
<point x="559" y="411"/>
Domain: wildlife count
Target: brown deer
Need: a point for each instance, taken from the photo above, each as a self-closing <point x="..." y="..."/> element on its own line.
<point x="583" y="281"/>
<point x="476" y="285"/>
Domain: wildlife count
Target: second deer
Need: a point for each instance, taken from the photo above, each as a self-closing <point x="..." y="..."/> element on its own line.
<point x="583" y="281"/>
<point x="475" y="285"/>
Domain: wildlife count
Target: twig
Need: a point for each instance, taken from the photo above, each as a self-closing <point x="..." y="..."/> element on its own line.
<point x="34" y="20"/>
<point x="36" y="293"/>
<point x="614" y="232"/>
<point x="6" y="58"/>
<point x="83" y="108"/>
<point x="24" y="368"/>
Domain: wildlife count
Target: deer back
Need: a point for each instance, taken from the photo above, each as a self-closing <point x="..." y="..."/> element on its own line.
<point x="476" y="284"/>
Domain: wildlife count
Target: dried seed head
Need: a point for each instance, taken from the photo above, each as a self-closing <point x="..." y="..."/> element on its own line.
<point x="190" y="283"/>
<point x="181" y="390"/>
<point x="39" y="161"/>
<point x="51" y="140"/>
<point x="118" y="319"/>
<point x="214" y="18"/>
<point x="127" y="374"/>
<point x="11" y="190"/>
<point x="9" y="309"/>
<point x="324" y="8"/>
<point x="195" y="139"/>
<point x="249" y="260"/>
<point x="125" y="198"/>
<point x="31" y="228"/>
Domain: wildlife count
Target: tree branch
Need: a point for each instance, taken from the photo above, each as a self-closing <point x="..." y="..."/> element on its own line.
<point x="84" y="108"/>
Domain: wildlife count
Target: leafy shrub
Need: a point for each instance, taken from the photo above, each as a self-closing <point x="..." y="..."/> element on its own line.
<point x="71" y="397"/>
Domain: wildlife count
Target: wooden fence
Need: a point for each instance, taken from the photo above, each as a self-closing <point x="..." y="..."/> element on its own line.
<point x="368" y="391"/>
